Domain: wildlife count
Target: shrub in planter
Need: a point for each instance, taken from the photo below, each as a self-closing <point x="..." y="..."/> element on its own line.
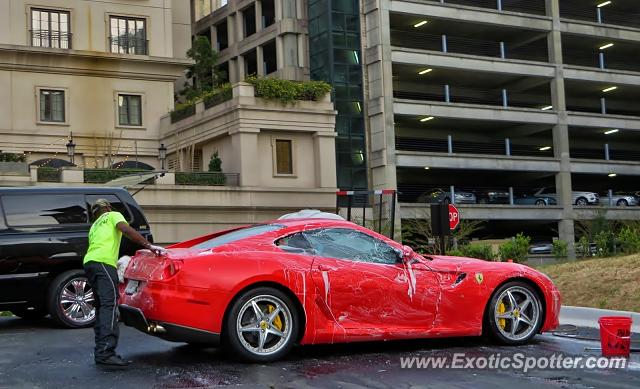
<point x="480" y="251"/>
<point x="515" y="249"/>
<point x="559" y="249"/>
<point x="629" y="240"/>
<point x="287" y="91"/>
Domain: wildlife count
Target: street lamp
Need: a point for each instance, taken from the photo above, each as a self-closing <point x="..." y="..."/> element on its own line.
<point x="71" y="148"/>
<point x="162" y="155"/>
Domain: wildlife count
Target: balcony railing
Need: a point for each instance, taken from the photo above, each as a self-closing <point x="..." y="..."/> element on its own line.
<point x="207" y="178"/>
<point x="469" y="147"/>
<point x="51" y="39"/>
<point x="127" y="44"/>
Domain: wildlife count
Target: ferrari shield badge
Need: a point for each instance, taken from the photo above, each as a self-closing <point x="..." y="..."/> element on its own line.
<point x="479" y="278"/>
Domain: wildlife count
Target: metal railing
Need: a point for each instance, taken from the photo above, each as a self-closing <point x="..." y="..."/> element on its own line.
<point x="518" y="194"/>
<point x="467" y="95"/>
<point x="127" y="44"/>
<point x="589" y="12"/>
<point x="51" y="39"/>
<point x="536" y="7"/>
<point x="207" y="178"/>
<point x="469" y="147"/>
<point x="534" y="51"/>
<point x="49" y="174"/>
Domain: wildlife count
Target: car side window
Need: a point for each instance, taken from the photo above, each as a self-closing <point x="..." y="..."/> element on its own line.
<point x="115" y="202"/>
<point x="345" y="243"/>
<point x="44" y="209"/>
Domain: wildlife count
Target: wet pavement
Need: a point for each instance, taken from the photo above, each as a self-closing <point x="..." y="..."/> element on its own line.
<point x="38" y="355"/>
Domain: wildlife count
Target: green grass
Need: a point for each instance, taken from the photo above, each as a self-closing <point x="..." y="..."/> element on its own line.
<point x="608" y="283"/>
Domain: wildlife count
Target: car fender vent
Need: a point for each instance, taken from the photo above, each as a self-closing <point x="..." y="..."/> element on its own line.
<point x="460" y="277"/>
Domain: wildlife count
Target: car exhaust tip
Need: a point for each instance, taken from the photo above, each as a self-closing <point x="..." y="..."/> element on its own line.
<point x="156" y="328"/>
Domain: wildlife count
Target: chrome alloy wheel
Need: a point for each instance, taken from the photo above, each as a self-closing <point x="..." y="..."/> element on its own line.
<point x="517" y="313"/>
<point x="76" y="301"/>
<point x="264" y="325"/>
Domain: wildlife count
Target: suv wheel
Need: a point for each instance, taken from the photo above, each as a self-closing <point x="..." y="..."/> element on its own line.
<point x="70" y="300"/>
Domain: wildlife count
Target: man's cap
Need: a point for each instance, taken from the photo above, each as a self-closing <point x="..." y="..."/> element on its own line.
<point x="99" y="203"/>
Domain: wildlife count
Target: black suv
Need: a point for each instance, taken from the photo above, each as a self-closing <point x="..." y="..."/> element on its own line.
<point x="43" y="239"/>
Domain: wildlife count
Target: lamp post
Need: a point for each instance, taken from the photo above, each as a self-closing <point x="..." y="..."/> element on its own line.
<point x="71" y="148"/>
<point x="162" y="155"/>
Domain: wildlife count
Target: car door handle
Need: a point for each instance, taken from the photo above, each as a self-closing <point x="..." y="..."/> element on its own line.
<point x="325" y="268"/>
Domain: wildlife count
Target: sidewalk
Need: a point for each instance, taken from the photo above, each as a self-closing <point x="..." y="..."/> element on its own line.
<point x="588" y="317"/>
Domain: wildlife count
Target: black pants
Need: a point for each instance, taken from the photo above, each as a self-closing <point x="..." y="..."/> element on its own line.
<point x="104" y="281"/>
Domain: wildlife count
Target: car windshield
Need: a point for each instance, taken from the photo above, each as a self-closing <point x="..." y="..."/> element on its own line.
<point x="236" y="235"/>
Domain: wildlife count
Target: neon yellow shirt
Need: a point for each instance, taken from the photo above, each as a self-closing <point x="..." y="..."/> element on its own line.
<point x="104" y="239"/>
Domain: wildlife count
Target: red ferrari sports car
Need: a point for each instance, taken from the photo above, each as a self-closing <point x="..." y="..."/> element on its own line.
<point x="261" y="289"/>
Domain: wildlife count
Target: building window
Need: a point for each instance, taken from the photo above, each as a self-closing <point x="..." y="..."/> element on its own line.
<point x="128" y="35"/>
<point x="52" y="104"/>
<point x="129" y="110"/>
<point x="284" y="156"/>
<point x="50" y="28"/>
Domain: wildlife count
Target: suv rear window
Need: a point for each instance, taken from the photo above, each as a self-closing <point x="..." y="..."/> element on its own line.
<point x="237" y="235"/>
<point x="44" y="209"/>
<point x="115" y="202"/>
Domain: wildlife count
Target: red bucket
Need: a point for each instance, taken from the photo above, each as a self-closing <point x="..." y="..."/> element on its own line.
<point x="615" y="336"/>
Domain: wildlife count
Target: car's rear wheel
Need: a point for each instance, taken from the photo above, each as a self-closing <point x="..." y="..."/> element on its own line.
<point x="514" y="314"/>
<point x="622" y="203"/>
<point x="262" y="325"/>
<point x="581" y="201"/>
<point x="29" y="314"/>
<point x="70" y="300"/>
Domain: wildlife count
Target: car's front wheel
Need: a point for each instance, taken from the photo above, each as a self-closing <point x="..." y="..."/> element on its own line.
<point x="514" y="314"/>
<point x="71" y="299"/>
<point x="262" y="325"/>
<point x="622" y="203"/>
<point x="540" y="202"/>
<point x="581" y="201"/>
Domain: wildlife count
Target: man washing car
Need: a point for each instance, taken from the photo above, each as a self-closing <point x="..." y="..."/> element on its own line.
<point x="100" y="265"/>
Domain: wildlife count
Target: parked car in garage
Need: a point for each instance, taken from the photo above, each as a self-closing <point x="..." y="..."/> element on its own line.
<point x="541" y="248"/>
<point x="439" y="195"/>
<point x="577" y="197"/>
<point x="620" y="199"/>
<point x="492" y="197"/>
<point x="532" y="199"/>
<point x="43" y="239"/>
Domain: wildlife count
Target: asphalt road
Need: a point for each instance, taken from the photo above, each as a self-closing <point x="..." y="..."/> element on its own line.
<point x="38" y="355"/>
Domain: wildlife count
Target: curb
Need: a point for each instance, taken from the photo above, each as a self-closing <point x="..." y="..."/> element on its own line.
<point x="588" y="317"/>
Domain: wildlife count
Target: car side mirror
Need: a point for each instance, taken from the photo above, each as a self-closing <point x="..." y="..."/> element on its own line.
<point x="399" y="254"/>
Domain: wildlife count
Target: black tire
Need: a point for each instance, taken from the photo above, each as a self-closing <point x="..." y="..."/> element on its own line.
<point x="232" y="340"/>
<point x="54" y="299"/>
<point x="493" y="329"/>
<point x="483" y="200"/>
<point x="540" y="202"/>
<point x="581" y="201"/>
<point x="622" y="203"/>
<point x="29" y="314"/>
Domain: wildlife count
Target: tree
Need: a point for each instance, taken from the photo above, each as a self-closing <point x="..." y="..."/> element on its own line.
<point x="202" y="73"/>
<point x="215" y="163"/>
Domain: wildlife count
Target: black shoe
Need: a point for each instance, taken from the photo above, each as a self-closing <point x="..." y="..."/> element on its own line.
<point x="114" y="360"/>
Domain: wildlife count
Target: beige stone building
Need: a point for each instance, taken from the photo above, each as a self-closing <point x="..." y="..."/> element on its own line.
<point x="103" y="71"/>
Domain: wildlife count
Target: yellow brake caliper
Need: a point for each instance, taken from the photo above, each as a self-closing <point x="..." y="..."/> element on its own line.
<point x="502" y="309"/>
<point x="277" y="322"/>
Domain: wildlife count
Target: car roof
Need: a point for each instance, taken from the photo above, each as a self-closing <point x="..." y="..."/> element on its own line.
<point x="60" y="189"/>
<point x="316" y="222"/>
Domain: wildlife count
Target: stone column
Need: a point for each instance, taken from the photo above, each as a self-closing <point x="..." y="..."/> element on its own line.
<point x="245" y="152"/>
<point x="258" y="7"/>
<point x="260" y="60"/>
<point x="561" y="131"/>
<point x="325" y="159"/>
